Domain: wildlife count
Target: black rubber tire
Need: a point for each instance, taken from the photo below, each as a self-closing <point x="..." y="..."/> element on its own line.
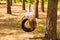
<point x="23" y="26"/>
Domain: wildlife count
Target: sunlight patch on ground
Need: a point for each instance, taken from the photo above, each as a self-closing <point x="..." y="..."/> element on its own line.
<point x="58" y="12"/>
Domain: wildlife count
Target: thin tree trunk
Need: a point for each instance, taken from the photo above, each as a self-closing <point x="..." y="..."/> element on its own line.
<point x="11" y="2"/>
<point x="42" y="5"/>
<point x="51" y="20"/>
<point x="14" y="1"/>
<point x="23" y="4"/>
<point x="36" y="8"/>
<point x="8" y="7"/>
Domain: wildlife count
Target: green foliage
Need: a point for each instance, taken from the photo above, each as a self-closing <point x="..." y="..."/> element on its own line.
<point x="58" y="0"/>
<point x="28" y="1"/>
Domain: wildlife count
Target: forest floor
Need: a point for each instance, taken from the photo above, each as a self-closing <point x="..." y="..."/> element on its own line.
<point x="9" y="29"/>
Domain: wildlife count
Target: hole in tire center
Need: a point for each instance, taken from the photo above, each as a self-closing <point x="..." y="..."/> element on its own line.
<point x="27" y="24"/>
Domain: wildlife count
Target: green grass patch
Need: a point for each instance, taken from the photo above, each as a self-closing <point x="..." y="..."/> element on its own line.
<point x="18" y="1"/>
<point x="58" y="29"/>
<point x="59" y="3"/>
<point x="40" y="28"/>
<point x="18" y="24"/>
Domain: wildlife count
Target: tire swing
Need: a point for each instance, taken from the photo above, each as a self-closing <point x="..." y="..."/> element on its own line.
<point x="23" y="26"/>
<point x="25" y="20"/>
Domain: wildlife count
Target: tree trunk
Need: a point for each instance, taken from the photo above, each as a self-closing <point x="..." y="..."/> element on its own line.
<point x="8" y="7"/>
<point x="36" y="8"/>
<point x="23" y="4"/>
<point x="51" y="20"/>
<point x="11" y="2"/>
<point x="42" y="5"/>
<point x="14" y="1"/>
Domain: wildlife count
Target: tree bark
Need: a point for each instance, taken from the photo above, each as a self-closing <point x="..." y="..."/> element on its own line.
<point x="36" y="8"/>
<point x="8" y="7"/>
<point x="23" y="4"/>
<point x="51" y="20"/>
<point x="14" y="1"/>
<point x="11" y="2"/>
<point x="42" y="5"/>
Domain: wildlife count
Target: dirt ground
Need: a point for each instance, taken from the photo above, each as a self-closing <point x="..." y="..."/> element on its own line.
<point x="8" y="26"/>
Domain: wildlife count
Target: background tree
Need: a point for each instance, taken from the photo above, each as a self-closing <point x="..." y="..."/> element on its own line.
<point x="36" y="8"/>
<point x="23" y="4"/>
<point x="14" y="1"/>
<point x="51" y="20"/>
<point x="10" y="2"/>
<point x="42" y="5"/>
<point x="8" y="7"/>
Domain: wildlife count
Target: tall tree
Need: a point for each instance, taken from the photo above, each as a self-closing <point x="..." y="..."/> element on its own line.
<point x="10" y="2"/>
<point x="42" y="5"/>
<point x="51" y="20"/>
<point x="23" y="4"/>
<point x="14" y="1"/>
<point x="36" y="8"/>
<point x="8" y="7"/>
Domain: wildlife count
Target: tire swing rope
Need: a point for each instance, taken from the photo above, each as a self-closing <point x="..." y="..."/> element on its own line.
<point x="24" y="21"/>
